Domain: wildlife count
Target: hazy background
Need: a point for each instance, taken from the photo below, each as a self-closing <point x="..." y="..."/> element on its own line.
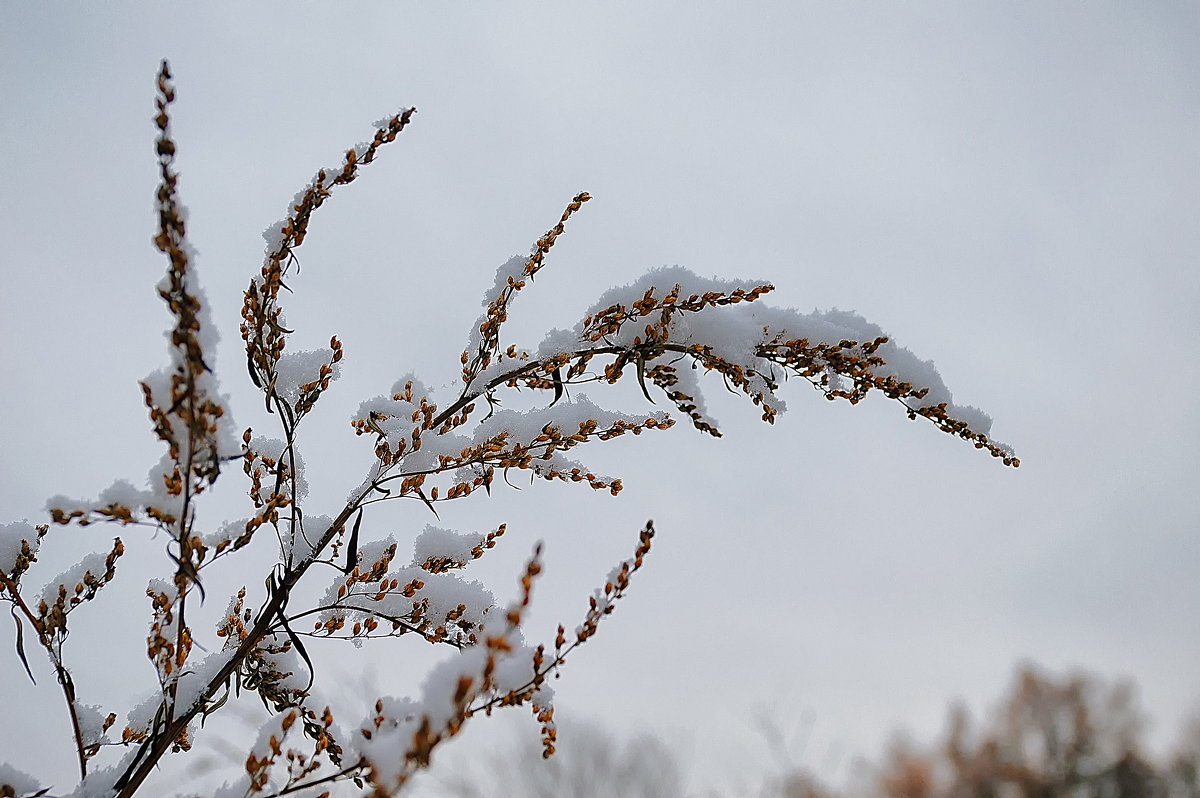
<point x="1009" y="189"/>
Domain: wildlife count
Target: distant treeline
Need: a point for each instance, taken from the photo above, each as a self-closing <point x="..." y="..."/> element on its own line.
<point x="1072" y="736"/>
<point x="1051" y="737"/>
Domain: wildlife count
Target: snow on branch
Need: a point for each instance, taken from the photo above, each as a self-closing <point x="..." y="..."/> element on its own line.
<point x="665" y="331"/>
<point x="484" y="341"/>
<point x="671" y="321"/>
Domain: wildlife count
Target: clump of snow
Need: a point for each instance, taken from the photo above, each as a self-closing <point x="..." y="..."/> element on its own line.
<point x="93" y="564"/>
<point x="123" y="492"/>
<point x="387" y="120"/>
<point x="91" y="724"/>
<point x="513" y="270"/>
<point x="442" y="682"/>
<point x="301" y="544"/>
<point x="295" y="369"/>
<point x="372" y="551"/>
<point x="99" y="783"/>
<point x="515" y="670"/>
<point x="20" y="782"/>
<point x="225" y="533"/>
<point x="273" y="236"/>
<point x="440" y="595"/>
<point x="438" y="544"/>
<point x="393" y="415"/>
<point x="276" y="728"/>
<point x="374" y="472"/>
<point x="141" y="717"/>
<point x="975" y="418"/>
<point x="558" y="342"/>
<point x="277" y="451"/>
<point x="225" y="443"/>
<point x="238" y="788"/>
<point x="197" y="675"/>
<point x="159" y="496"/>
<point x="11" y="536"/>
<point x="389" y="737"/>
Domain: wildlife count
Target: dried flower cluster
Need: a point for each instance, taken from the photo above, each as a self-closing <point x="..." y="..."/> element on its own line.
<point x="666" y="330"/>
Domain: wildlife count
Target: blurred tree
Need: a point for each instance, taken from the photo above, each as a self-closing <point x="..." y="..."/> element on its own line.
<point x="590" y="763"/>
<point x="1182" y="776"/>
<point x="796" y="784"/>
<point x="907" y="774"/>
<point x="1071" y="737"/>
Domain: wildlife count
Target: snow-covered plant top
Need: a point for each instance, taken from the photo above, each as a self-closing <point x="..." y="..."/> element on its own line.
<point x="665" y="330"/>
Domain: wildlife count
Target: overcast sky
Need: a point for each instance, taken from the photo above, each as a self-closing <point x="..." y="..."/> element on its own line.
<point x="1009" y="189"/>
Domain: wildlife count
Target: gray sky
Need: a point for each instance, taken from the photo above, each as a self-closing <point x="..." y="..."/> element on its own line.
<point x="1008" y="189"/>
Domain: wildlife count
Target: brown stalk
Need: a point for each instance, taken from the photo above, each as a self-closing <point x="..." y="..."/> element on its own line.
<point x="60" y="670"/>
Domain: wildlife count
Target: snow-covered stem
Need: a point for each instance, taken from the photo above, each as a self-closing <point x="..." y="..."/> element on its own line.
<point x="661" y="329"/>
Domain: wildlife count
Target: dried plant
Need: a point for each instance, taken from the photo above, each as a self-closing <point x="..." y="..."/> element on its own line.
<point x="664" y="329"/>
